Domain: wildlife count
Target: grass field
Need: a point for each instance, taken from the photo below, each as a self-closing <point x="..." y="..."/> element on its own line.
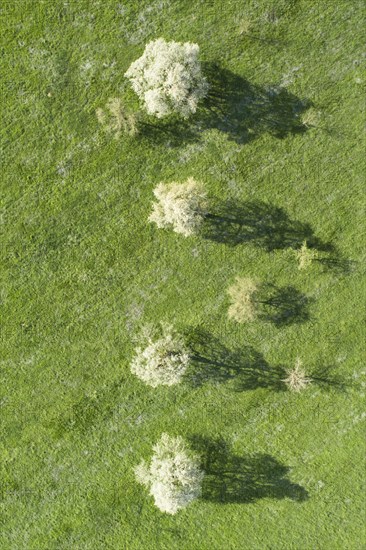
<point x="82" y="271"/>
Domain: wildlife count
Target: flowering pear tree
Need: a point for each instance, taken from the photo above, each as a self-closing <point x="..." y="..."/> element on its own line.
<point x="173" y="477"/>
<point x="180" y="206"/>
<point x="168" y="78"/>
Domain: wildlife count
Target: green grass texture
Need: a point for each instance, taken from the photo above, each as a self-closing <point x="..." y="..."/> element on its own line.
<point x="279" y="146"/>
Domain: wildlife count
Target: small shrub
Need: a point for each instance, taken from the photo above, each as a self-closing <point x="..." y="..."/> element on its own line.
<point x="296" y="380"/>
<point x="116" y="119"/>
<point x="311" y="118"/>
<point x="162" y="361"/>
<point x="180" y="205"/>
<point x="173" y="476"/>
<point x="168" y="78"/>
<point x="243" y="295"/>
<point x="306" y="256"/>
<point x="244" y="26"/>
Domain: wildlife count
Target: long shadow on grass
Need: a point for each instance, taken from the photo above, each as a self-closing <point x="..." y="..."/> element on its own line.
<point x="325" y="377"/>
<point x="235" y="479"/>
<point x="282" y="306"/>
<point x="338" y="264"/>
<point x="270" y="228"/>
<point x="266" y="226"/>
<point x="241" y="110"/>
<point x="244" y="367"/>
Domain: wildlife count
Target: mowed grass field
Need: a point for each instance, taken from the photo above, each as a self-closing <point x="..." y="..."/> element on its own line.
<point x="280" y="149"/>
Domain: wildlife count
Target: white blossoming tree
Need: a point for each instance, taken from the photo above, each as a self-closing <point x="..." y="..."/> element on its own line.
<point x="161" y="361"/>
<point x="180" y="206"/>
<point x="174" y="476"/>
<point x="168" y="78"/>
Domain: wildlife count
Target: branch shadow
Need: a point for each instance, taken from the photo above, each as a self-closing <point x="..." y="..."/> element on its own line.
<point x="241" y="110"/>
<point x="266" y="226"/>
<point x="338" y="264"/>
<point x="244" y="111"/>
<point x="244" y="367"/>
<point x="283" y="306"/>
<point x="234" y="479"/>
<point x="325" y="377"/>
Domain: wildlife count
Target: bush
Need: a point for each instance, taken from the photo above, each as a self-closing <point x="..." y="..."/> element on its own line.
<point x="162" y="361"/>
<point x="168" y="78"/>
<point x="296" y="380"/>
<point x="243" y="295"/>
<point x="180" y="205"/>
<point x="311" y="118"/>
<point x="306" y="256"/>
<point x="173" y="476"/>
<point x="116" y="119"/>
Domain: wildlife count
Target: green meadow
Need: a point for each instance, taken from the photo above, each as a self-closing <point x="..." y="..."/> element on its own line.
<point x="278" y="145"/>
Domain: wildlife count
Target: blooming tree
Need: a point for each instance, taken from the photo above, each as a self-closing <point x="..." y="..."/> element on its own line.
<point x="161" y="361"/>
<point x="168" y="78"/>
<point x="243" y="294"/>
<point x="115" y="118"/>
<point x="180" y="205"/>
<point x="306" y="255"/>
<point x="173" y="477"/>
<point x="296" y="377"/>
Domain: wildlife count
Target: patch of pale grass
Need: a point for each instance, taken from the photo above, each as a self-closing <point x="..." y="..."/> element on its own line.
<point x="244" y="26"/>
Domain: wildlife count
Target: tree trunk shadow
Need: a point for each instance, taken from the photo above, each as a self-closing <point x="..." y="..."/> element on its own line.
<point x="261" y="224"/>
<point x="243" y="368"/>
<point x="244" y="111"/>
<point x="235" y="479"/>
<point x="282" y="306"/>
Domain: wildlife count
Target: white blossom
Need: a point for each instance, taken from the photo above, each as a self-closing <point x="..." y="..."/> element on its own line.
<point x="168" y="78"/>
<point x="173" y="476"/>
<point x="180" y="205"/>
<point x="162" y="361"/>
<point x="243" y="299"/>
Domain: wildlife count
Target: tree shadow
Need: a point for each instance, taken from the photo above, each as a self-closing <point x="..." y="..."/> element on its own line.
<point x="89" y="411"/>
<point x="282" y="306"/>
<point x="234" y="479"/>
<point x="244" y="111"/>
<point x="172" y="132"/>
<point x="243" y="367"/>
<point x="326" y="378"/>
<point x="266" y="226"/>
<point x="338" y="264"/>
<point x="241" y="110"/>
